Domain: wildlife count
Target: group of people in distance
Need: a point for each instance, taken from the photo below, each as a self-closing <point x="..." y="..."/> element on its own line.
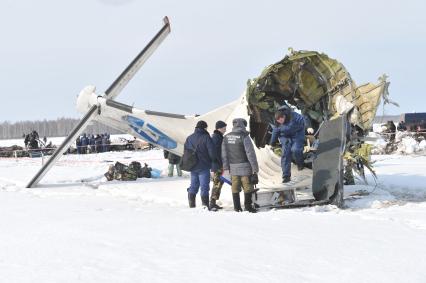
<point x="233" y="154"/>
<point x="93" y="143"/>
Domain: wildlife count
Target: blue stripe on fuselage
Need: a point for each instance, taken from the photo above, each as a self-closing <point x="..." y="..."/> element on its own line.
<point x="150" y="133"/>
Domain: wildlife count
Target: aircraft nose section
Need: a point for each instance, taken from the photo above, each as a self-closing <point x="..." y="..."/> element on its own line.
<point x="86" y="99"/>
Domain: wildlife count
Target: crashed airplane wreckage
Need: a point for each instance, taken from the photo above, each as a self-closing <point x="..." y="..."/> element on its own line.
<point x="340" y="111"/>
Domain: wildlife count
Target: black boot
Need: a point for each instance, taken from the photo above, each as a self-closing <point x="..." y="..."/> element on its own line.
<point x="205" y="201"/>
<point x="191" y="200"/>
<point x="286" y="179"/>
<point x="214" y="206"/>
<point x="237" y="203"/>
<point x="248" y="205"/>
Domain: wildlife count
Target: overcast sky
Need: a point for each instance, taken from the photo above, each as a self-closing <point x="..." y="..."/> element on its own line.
<point x="51" y="49"/>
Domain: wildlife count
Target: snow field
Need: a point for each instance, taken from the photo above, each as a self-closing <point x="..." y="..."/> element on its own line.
<point x="78" y="227"/>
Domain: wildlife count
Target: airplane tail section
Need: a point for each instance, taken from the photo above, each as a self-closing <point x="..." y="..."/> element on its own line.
<point x="165" y="130"/>
<point x="222" y="113"/>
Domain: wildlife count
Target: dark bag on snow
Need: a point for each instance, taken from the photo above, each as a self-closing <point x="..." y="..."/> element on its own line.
<point x="124" y="173"/>
<point x="137" y="167"/>
<point x="146" y="171"/>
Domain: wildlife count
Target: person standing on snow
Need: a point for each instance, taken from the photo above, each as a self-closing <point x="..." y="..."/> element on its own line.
<point x="290" y="131"/>
<point x="217" y="166"/>
<point x="92" y="143"/>
<point x="84" y="142"/>
<point x="173" y="160"/>
<point x="239" y="158"/>
<point x="200" y="142"/>
<point x="78" y="145"/>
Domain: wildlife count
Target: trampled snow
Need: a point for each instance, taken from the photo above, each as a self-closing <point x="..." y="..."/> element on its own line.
<point x="77" y="227"/>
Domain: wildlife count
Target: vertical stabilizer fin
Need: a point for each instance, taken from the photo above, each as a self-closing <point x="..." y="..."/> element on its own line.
<point x="123" y="79"/>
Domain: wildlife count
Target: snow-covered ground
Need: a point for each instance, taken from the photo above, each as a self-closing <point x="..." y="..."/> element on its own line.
<point x="79" y="228"/>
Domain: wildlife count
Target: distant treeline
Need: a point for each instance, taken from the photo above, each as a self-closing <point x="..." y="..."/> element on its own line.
<point x="49" y="128"/>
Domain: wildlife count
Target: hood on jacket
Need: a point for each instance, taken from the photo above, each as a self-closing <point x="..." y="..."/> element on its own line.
<point x="239" y="125"/>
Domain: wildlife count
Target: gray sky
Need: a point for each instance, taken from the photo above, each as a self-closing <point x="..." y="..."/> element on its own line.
<point x="51" y="49"/>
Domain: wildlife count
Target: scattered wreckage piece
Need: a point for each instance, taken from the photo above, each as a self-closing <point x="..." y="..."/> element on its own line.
<point x="13" y="151"/>
<point x="16" y="151"/>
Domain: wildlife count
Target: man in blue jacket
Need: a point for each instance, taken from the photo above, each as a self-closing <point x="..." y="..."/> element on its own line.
<point x="84" y="143"/>
<point x="290" y="131"/>
<point x="217" y="165"/>
<point x="201" y="142"/>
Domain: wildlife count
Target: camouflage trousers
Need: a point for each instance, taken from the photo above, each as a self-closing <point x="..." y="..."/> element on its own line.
<point x="348" y="177"/>
<point x="217" y="185"/>
<point x="241" y="181"/>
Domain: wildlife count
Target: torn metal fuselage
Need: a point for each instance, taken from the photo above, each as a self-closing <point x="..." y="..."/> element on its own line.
<point x="321" y="89"/>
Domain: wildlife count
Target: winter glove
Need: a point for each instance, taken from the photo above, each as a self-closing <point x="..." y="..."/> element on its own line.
<point x="310" y="131"/>
<point x="254" y="179"/>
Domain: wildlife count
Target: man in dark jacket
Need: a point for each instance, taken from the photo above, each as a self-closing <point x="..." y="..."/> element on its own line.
<point x="104" y="142"/>
<point x="173" y="160"/>
<point x="98" y="143"/>
<point x="217" y="167"/>
<point x="92" y="143"/>
<point x="33" y="143"/>
<point x="84" y="143"/>
<point x="401" y="126"/>
<point x="390" y="130"/>
<point x="27" y="140"/>
<point x="78" y="145"/>
<point x="291" y="133"/>
<point x="239" y="158"/>
<point x="201" y="142"/>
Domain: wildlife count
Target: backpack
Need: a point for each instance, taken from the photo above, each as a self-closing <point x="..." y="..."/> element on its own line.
<point x="189" y="159"/>
<point x="137" y="167"/>
<point x="121" y="172"/>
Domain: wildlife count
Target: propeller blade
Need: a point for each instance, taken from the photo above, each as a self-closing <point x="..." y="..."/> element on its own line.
<point x="64" y="146"/>
<point x="122" y="80"/>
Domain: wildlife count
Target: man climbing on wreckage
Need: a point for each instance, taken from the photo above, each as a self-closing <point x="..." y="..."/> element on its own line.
<point x="290" y="131"/>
